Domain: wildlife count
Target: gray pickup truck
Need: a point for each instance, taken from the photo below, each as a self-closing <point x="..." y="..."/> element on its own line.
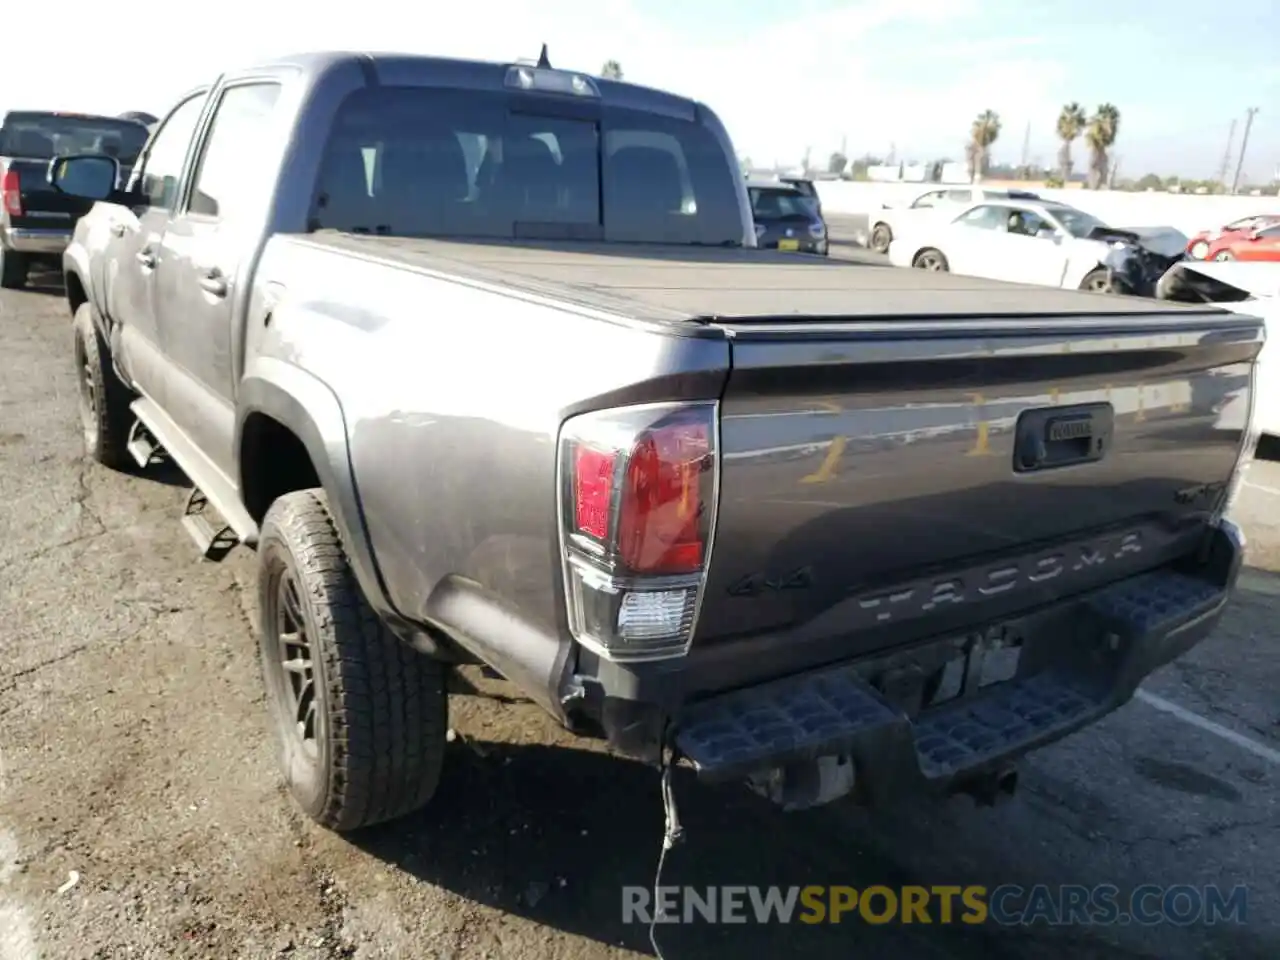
<point x="483" y="362"/>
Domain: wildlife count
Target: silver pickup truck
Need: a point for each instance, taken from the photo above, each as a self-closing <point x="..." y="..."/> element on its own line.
<point x="484" y="364"/>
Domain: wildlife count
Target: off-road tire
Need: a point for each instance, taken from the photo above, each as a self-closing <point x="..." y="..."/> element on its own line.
<point x="929" y="255"/>
<point x="381" y="708"/>
<point x="881" y="237"/>
<point x="14" y="267"/>
<point x="104" y="400"/>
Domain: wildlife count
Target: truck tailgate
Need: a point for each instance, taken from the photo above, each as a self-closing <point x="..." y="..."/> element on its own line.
<point x="884" y="481"/>
<point x="43" y="207"/>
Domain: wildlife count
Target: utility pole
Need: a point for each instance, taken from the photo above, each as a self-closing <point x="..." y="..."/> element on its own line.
<point x="1025" y="171"/>
<point x="1226" y="156"/>
<point x="1244" y="144"/>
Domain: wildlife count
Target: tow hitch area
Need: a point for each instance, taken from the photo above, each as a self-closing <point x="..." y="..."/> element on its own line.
<point x="960" y="724"/>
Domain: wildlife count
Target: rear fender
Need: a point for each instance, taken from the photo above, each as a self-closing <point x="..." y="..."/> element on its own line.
<point x="308" y="407"/>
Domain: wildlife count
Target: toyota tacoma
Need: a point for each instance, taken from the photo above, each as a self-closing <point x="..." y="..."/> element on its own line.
<point x="484" y="364"/>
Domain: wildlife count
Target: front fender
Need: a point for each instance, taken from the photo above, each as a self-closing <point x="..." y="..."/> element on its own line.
<point x="307" y="406"/>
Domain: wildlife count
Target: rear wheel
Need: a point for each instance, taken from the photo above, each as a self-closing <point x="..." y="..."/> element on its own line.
<point x="105" y="416"/>
<point x="1224" y="255"/>
<point x="360" y="717"/>
<point x="931" y="259"/>
<point x="13" y="269"/>
<point x="881" y="237"/>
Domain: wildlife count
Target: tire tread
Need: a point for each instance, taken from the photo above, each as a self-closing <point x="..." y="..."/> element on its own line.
<point x="387" y="703"/>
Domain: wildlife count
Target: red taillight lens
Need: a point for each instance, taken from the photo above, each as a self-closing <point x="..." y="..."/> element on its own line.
<point x="659" y="529"/>
<point x="639" y="489"/>
<point x="11" y="188"/>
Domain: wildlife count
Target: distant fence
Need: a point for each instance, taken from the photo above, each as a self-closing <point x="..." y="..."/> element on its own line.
<point x="1186" y="212"/>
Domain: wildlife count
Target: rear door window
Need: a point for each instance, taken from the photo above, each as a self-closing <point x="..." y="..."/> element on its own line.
<point x="231" y="174"/>
<point x="430" y="162"/>
<point x="985" y="217"/>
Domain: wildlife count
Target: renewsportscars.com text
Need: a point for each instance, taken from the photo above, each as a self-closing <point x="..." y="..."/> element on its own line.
<point x="1006" y="905"/>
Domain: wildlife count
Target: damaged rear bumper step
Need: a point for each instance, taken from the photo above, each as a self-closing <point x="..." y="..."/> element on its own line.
<point x="1103" y="645"/>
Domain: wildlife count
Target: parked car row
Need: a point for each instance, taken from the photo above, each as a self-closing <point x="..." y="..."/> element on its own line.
<point x="36" y="221"/>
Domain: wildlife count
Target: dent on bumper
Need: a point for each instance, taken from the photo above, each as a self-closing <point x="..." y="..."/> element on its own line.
<point x="1081" y="659"/>
<point x="30" y="240"/>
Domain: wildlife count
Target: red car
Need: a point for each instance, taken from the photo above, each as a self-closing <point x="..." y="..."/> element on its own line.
<point x="1253" y="238"/>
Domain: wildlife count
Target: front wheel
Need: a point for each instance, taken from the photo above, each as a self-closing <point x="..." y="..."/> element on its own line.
<point x="930" y="259"/>
<point x="105" y="416"/>
<point x="1224" y="256"/>
<point x="360" y="718"/>
<point x="881" y="237"/>
<point x="1102" y="280"/>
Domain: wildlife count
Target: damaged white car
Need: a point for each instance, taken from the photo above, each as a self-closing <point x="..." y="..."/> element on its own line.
<point x="1241" y="287"/>
<point x="1039" y="242"/>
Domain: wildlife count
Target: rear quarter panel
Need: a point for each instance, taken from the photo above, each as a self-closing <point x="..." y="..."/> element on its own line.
<point x="453" y="395"/>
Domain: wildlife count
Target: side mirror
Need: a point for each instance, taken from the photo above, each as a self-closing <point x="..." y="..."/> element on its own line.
<point x="89" y="176"/>
<point x="1048" y="233"/>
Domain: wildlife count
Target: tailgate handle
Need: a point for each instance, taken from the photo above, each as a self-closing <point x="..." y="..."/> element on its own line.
<point x="147" y="258"/>
<point x="1049" y="437"/>
<point x="118" y="229"/>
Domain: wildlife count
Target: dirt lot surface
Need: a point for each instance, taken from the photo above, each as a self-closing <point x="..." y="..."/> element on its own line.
<point x="134" y="760"/>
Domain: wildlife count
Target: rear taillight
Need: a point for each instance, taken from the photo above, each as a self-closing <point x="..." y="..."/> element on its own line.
<point x="639" y="489"/>
<point x="11" y="189"/>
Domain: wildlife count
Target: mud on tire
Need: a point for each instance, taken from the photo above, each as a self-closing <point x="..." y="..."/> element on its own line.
<point x="360" y="718"/>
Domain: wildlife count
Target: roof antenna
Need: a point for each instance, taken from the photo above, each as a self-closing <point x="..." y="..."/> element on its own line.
<point x="543" y="62"/>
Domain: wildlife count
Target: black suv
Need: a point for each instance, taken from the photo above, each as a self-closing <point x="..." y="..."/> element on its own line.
<point x="787" y="218"/>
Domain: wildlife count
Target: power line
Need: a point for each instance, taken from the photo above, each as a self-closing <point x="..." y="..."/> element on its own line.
<point x="1244" y="144"/>
<point x="1226" y="156"/>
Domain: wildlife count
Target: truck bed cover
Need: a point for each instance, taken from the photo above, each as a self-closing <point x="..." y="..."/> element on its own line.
<point x="704" y="284"/>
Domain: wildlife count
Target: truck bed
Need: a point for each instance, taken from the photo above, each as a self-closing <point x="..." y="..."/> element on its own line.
<point x="729" y="285"/>
<point x="892" y="466"/>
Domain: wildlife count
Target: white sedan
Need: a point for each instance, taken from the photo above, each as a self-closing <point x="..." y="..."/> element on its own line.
<point x="1022" y="241"/>
<point x="888" y="221"/>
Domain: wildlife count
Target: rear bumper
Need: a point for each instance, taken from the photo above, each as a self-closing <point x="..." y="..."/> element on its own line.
<point x="1081" y="659"/>
<point x="38" y="241"/>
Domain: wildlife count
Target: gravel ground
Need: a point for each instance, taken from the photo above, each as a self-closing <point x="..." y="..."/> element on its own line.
<point x="134" y="753"/>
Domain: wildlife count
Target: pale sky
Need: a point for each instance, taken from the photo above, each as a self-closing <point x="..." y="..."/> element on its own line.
<point x="783" y="74"/>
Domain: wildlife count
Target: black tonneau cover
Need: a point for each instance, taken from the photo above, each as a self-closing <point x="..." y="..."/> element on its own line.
<point x="698" y="283"/>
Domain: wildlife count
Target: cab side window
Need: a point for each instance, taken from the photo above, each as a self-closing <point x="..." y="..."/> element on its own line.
<point x="168" y="153"/>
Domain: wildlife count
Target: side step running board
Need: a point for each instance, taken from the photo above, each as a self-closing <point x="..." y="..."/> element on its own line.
<point x="213" y="495"/>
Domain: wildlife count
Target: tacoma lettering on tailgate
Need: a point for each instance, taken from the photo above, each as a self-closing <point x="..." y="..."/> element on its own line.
<point x="1064" y="564"/>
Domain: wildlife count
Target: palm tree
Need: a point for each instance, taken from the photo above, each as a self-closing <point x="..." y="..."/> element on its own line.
<point x="1071" y="123"/>
<point x="1104" y="126"/>
<point x="984" y="132"/>
<point x="611" y="70"/>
